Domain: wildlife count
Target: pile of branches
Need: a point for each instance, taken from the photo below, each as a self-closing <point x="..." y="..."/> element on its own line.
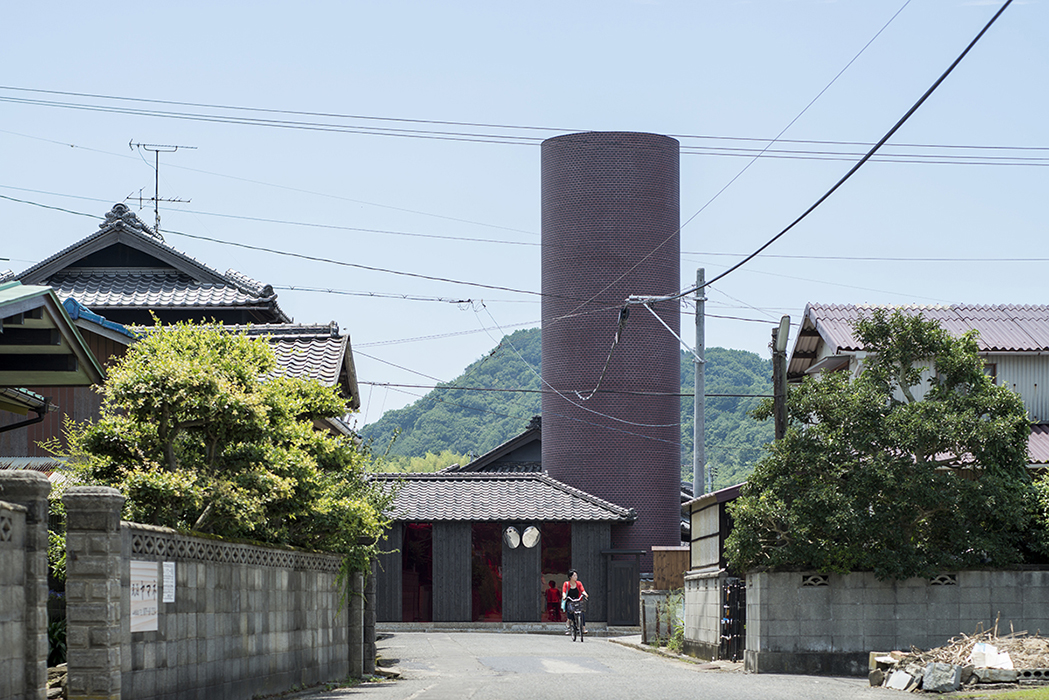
<point x="1026" y="651"/>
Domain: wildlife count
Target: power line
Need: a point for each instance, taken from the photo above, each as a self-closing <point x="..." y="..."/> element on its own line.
<point x="471" y="135"/>
<point x="613" y="392"/>
<point x="562" y="395"/>
<point x="746" y="167"/>
<point x="699" y="254"/>
<point x="858" y="165"/>
<point x="327" y="195"/>
<point x="571" y="418"/>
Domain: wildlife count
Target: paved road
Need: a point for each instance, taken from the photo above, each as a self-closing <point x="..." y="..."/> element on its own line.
<point x="488" y="666"/>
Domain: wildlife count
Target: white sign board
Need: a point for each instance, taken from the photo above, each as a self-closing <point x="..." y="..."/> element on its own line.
<point x="144" y="596"/>
<point x="169" y="581"/>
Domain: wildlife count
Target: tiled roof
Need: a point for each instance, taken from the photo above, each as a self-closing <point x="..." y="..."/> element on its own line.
<point x="186" y="283"/>
<point x="253" y="286"/>
<point x="496" y="497"/>
<point x="309" y="351"/>
<point x="1002" y="328"/>
<point x="99" y="289"/>
<point x="306" y="351"/>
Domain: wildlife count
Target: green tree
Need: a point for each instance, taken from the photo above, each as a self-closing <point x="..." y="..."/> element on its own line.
<point x="915" y="466"/>
<point x="427" y="464"/>
<point x="463" y="422"/>
<point x="197" y="441"/>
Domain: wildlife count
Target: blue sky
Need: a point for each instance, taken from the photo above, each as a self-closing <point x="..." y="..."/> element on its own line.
<point x="469" y="211"/>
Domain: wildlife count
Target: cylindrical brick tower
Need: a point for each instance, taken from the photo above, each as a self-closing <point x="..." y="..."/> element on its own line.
<point x="610" y="230"/>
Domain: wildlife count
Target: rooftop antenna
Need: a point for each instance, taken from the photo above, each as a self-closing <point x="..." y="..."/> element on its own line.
<point x="156" y="149"/>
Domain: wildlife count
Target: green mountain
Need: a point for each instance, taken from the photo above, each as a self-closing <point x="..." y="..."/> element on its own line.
<point x="473" y="422"/>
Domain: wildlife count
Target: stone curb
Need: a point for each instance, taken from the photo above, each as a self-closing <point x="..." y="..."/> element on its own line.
<point x="729" y="666"/>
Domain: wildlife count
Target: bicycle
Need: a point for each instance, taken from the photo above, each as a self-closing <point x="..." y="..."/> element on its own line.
<point x="575" y="609"/>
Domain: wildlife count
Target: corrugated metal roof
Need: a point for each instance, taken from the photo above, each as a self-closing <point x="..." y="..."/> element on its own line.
<point x="1002" y="328"/>
<point x="54" y="468"/>
<point x="1038" y="445"/>
<point x="496" y="497"/>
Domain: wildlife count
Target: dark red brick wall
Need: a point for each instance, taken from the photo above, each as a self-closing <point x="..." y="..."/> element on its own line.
<point x="610" y="217"/>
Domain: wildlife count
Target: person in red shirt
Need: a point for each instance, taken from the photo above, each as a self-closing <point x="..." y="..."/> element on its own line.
<point x="553" y="597"/>
<point x="573" y="590"/>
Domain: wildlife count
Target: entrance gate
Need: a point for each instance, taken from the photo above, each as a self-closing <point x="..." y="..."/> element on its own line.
<point x="733" y="619"/>
<point x="624" y="587"/>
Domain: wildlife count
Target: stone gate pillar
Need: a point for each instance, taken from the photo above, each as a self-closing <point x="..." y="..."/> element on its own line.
<point x="93" y="589"/>
<point x="356" y="624"/>
<point x="30" y="489"/>
<point x="369" y="622"/>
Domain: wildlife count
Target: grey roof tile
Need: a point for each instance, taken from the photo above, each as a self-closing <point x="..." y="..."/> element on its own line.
<point x="199" y="285"/>
<point x="98" y="289"/>
<point x="496" y="497"/>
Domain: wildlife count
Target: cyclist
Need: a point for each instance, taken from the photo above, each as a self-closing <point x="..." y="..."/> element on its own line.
<point x="573" y="590"/>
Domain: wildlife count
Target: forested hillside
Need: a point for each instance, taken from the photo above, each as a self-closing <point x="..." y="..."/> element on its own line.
<point x="473" y="422"/>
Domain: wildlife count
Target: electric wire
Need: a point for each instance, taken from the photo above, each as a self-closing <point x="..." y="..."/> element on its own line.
<point x="746" y="167"/>
<point x="502" y="137"/>
<point x="698" y="254"/>
<point x="327" y="195"/>
<point x="914" y="108"/>
<point x="498" y="390"/>
<point x="561" y="394"/>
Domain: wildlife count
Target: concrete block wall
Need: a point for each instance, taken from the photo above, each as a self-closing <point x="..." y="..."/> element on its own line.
<point x="23" y="585"/>
<point x="805" y="623"/>
<point x="246" y="620"/>
<point x="12" y="600"/>
<point x="703" y="612"/>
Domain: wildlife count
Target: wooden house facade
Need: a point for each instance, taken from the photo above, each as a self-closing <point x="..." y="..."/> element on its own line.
<point x="459" y="549"/>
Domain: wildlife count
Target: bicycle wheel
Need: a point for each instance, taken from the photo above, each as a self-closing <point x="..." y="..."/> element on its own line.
<point x="575" y="627"/>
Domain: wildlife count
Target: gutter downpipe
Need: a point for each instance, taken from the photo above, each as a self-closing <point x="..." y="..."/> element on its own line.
<point x="40" y="413"/>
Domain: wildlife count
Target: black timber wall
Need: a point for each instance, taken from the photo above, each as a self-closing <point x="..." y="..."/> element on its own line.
<point x="388" y="581"/>
<point x="522" y="583"/>
<point x="588" y="541"/>
<point x="452" y="574"/>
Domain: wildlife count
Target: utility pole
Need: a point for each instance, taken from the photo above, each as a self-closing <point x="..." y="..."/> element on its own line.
<point x="157" y="149"/>
<point x="699" y="453"/>
<point x="779" y="376"/>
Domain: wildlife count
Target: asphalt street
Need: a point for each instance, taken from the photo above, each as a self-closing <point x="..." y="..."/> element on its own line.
<point x="491" y="666"/>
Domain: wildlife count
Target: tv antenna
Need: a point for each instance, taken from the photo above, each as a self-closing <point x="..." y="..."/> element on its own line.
<point x="156" y="149"/>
